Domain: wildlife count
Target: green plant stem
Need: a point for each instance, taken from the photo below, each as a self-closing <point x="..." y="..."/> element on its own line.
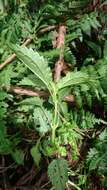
<point x="73" y="185"/>
<point x="55" y="122"/>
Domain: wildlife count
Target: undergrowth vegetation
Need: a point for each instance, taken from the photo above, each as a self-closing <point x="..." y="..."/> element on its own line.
<point x="53" y="94"/>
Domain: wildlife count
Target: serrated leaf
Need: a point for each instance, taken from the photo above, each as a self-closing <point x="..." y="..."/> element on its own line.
<point x="6" y="76"/>
<point x="35" y="101"/>
<point x="93" y="159"/>
<point x="103" y="135"/>
<point x="58" y="173"/>
<point x="26" y="82"/>
<point x="36" y="63"/>
<point x="43" y="118"/>
<point x="71" y="79"/>
<point x="33" y="81"/>
<point x="3" y="95"/>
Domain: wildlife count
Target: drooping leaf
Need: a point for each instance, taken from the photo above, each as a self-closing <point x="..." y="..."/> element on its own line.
<point x="36" y="153"/>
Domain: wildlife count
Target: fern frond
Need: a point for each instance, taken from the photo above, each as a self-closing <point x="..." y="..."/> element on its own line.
<point x="69" y="56"/>
<point x="51" y="53"/>
<point x="96" y="158"/>
<point x="85" y="119"/>
<point x="78" y="4"/>
<point x="6" y="76"/>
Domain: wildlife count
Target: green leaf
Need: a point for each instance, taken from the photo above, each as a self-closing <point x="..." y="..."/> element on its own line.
<point x="36" y="153"/>
<point x="18" y="156"/>
<point x="6" y="75"/>
<point x="2" y="112"/>
<point x="103" y="135"/>
<point x="78" y="4"/>
<point x="43" y="118"/>
<point x="58" y="173"/>
<point x="2" y="131"/>
<point x="32" y="80"/>
<point x="5" y="146"/>
<point x="96" y="48"/>
<point x="93" y="159"/>
<point x="35" y="101"/>
<point x="3" y="95"/>
<point x="72" y="79"/>
<point x="105" y="50"/>
<point x="35" y="63"/>
<point x="26" y="82"/>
